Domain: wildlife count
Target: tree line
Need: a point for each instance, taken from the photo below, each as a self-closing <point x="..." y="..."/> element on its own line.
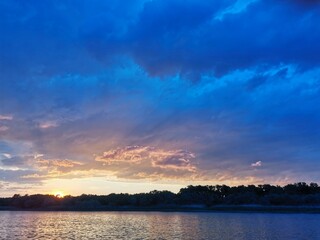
<point x="297" y="194"/>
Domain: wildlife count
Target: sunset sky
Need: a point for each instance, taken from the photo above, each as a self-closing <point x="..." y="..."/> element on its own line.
<point x="129" y="96"/>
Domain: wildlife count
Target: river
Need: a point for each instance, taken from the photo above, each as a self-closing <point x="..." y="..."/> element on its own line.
<point x="158" y="225"/>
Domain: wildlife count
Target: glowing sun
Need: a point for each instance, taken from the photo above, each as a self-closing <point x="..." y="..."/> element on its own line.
<point x="58" y="194"/>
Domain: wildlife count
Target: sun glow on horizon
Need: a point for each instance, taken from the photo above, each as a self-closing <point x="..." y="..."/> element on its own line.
<point x="58" y="194"/>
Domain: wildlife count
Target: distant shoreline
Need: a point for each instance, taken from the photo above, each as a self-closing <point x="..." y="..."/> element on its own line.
<point x="225" y="209"/>
<point x="292" y="198"/>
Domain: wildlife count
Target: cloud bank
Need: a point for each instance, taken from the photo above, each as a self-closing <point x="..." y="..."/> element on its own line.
<point x="180" y="90"/>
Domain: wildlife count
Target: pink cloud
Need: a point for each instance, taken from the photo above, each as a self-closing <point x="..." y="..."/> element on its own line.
<point x="48" y="124"/>
<point x="6" y="117"/>
<point x="3" y="128"/>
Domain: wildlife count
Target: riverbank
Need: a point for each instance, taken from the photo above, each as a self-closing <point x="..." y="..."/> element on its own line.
<point x="218" y="208"/>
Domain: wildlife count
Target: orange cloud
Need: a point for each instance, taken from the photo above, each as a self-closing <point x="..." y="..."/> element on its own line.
<point x="129" y="155"/>
<point x="139" y="162"/>
<point x="57" y="163"/>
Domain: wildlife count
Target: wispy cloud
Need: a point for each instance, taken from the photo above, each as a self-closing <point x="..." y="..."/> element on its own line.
<point x="256" y="164"/>
<point x="6" y="155"/>
<point x="3" y="128"/>
<point x="6" y="117"/>
<point x="48" y="124"/>
<point x="48" y="163"/>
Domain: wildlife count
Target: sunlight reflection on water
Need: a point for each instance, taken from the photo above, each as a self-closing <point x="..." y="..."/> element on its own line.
<point x="156" y="225"/>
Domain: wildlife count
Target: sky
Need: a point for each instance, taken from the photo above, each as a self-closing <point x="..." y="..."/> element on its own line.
<point x="130" y="96"/>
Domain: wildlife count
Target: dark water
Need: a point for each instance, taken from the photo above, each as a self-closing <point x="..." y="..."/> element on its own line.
<point x="156" y="225"/>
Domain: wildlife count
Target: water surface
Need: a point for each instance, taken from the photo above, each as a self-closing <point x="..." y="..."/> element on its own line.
<point x="157" y="225"/>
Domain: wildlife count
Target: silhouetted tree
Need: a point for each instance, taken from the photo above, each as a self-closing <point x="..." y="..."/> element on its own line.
<point x="292" y="194"/>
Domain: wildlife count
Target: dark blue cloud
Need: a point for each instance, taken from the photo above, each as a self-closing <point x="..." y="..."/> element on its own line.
<point x="165" y="37"/>
<point x="266" y="33"/>
<point x="188" y="37"/>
